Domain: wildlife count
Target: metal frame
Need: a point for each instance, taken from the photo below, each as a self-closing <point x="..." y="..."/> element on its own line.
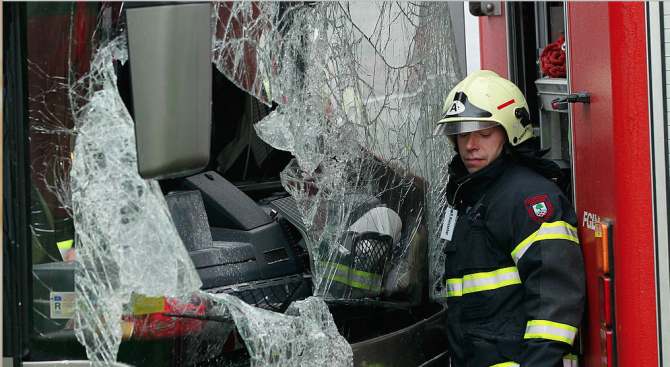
<point x="67" y="364"/>
<point x="562" y="88"/>
<point x="660" y="172"/>
<point x="566" y="15"/>
<point x="541" y="38"/>
<point x="16" y="189"/>
<point x="511" y="42"/>
<point x="570" y="119"/>
<point x="458" y="26"/>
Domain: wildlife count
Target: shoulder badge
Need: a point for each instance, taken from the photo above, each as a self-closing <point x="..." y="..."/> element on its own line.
<point x="539" y="208"/>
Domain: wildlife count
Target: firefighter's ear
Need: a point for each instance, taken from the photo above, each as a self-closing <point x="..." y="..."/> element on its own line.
<point x="507" y="148"/>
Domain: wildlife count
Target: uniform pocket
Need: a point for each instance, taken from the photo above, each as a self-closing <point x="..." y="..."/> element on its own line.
<point x="510" y="336"/>
<point x="449" y="247"/>
<point x="510" y="346"/>
<point x="487" y="349"/>
<point x="474" y="309"/>
<point x="477" y="252"/>
<point x="481" y="349"/>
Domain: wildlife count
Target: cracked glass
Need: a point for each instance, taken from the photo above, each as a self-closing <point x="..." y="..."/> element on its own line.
<point x="358" y="97"/>
<point x="344" y="98"/>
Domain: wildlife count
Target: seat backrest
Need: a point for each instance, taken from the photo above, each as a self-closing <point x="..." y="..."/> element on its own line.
<point x="190" y="219"/>
<point x="226" y="205"/>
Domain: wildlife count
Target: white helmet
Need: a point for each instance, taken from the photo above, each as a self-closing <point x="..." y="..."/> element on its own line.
<point x="483" y="100"/>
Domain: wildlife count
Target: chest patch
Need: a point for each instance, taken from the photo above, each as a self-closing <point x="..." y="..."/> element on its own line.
<point x="539" y="208"/>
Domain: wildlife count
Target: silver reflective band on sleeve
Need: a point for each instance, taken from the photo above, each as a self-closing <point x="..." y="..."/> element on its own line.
<point x="542" y="329"/>
<point x="478" y="282"/>
<point x="570" y="361"/>
<point x="454" y="287"/>
<point x="548" y="231"/>
<point x="490" y="280"/>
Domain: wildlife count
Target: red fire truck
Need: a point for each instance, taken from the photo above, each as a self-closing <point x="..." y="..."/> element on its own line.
<point x="613" y="141"/>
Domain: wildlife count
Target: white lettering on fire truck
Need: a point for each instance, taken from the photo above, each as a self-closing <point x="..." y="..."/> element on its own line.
<point x="590" y="220"/>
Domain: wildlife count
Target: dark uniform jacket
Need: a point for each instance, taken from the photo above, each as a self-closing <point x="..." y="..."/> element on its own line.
<point x="514" y="269"/>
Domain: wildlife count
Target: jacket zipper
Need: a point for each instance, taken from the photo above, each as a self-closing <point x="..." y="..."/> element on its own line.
<point x="458" y="188"/>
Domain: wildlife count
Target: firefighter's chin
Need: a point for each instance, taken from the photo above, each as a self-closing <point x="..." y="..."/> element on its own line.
<point x="474" y="164"/>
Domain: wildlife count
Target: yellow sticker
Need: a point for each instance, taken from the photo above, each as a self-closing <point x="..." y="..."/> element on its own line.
<point x="127" y="328"/>
<point x="599" y="230"/>
<point x="145" y="305"/>
<point x="65" y="245"/>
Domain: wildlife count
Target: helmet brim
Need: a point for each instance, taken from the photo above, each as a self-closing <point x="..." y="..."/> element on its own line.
<point x="461" y="127"/>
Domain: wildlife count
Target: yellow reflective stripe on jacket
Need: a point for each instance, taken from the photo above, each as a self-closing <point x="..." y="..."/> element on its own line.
<point x="454" y="287"/>
<point x="486" y="281"/>
<point x="570" y="361"/>
<point x="354" y="283"/>
<point x="490" y="280"/>
<point x="542" y="329"/>
<point x="354" y="278"/>
<point x="548" y="231"/>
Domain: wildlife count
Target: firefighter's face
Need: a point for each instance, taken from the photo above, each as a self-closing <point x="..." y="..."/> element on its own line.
<point x="479" y="148"/>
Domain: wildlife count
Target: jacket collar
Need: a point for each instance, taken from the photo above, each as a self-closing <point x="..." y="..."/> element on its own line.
<point x="470" y="186"/>
<point x="529" y="154"/>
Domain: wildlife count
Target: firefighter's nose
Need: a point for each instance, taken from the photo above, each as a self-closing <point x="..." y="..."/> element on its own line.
<point x="471" y="143"/>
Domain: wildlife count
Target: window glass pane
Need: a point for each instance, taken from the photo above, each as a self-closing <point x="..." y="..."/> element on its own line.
<point x="53" y="60"/>
<point x="348" y="93"/>
<point x="556" y="21"/>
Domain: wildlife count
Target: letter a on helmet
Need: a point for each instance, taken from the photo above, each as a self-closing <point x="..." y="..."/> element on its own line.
<point x="483" y="100"/>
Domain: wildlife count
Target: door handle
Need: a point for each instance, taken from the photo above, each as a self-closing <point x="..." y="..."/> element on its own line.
<point x="561" y="103"/>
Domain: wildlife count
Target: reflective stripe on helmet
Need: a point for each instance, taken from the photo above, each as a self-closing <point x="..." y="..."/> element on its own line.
<point x="506" y="364"/>
<point x="542" y="329"/>
<point x="354" y="278"/>
<point x="570" y="361"/>
<point x="479" y="282"/>
<point x="548" y="231"/>
<point x="461" y="127"/>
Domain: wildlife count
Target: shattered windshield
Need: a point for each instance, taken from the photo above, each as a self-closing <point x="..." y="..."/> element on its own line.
<point x="357" y="95"/>
<point x="339" y="101"/>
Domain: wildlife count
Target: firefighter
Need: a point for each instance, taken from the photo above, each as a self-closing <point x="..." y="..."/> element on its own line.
<point x="514" y="271"/>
